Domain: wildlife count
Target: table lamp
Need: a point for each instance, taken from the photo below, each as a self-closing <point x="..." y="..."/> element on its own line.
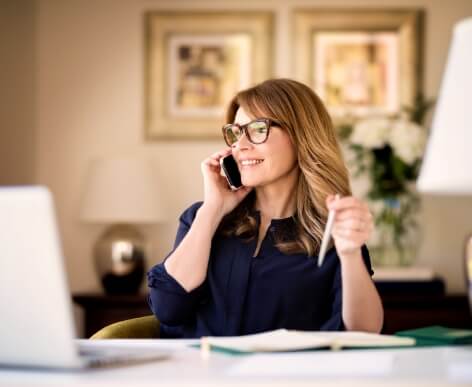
<point x="122" y="193"/>
<point x="447" y="164"/>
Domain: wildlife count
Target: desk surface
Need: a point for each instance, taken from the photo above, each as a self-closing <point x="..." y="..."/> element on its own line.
<point x="187" y="367"/>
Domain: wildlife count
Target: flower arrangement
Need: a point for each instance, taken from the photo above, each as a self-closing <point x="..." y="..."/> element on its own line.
<point x="390" y="150"/>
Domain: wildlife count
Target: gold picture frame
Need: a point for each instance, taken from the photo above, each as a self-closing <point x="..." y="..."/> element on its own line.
<point x="195" y="62"/>
<point x="360" y="62"/>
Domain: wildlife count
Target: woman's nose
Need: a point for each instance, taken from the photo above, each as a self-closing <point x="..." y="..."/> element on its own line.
<point x="242" y="143"/>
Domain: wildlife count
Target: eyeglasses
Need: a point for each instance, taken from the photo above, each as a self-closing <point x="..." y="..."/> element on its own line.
<point x="257" y="131"/>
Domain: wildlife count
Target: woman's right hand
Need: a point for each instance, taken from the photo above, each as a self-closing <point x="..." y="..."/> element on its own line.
<point x="217" y="195"/>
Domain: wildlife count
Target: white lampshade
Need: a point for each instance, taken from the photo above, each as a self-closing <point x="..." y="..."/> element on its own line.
<point x="447" y="166"/>
<point x="121" y="191"/>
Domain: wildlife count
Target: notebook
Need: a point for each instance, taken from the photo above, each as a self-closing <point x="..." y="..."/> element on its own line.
<point x="282" y="340"/>
<point x="438" y="335"/>
<point x="37" y="326"/>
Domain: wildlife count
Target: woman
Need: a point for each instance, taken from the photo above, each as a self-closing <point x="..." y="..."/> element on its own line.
<point x="245" y="261"/>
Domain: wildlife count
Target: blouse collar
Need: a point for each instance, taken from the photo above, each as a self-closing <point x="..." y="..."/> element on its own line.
<point x="275" y="221"/>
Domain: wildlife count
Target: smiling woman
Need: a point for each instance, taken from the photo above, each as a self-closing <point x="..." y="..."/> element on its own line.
<point x="244" y="261"/>
<point x="300" y="141"/>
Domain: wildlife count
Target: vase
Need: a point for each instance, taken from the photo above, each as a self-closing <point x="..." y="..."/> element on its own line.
<point x="397" y="234"/>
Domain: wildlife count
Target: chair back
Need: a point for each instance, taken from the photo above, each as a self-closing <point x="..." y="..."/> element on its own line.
<point x="136" y="328"/>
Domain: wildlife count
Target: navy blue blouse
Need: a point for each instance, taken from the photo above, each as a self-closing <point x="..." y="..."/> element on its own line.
<point x="243" y="294"/>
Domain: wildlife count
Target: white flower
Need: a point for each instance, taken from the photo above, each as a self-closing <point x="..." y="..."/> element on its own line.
<point x="371" y="133"/>
<point x="408" y="140"/>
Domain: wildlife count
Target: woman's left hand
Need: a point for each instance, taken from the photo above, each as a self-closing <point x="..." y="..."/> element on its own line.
<point x="353" y="224"/>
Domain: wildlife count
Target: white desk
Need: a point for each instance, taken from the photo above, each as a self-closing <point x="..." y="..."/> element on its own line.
<point x="186" y="367"/>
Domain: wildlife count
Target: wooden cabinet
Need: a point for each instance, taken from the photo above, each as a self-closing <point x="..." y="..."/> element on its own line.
<point x="403" y="310"/>
<point x="408" y="311"/>
<point x="101" y="310"/>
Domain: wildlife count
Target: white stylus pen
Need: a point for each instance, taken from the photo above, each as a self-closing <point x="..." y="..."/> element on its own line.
<point x="327" y="234"/>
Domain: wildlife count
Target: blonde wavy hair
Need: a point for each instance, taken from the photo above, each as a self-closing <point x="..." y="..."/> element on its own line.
<point x="322" y="169"/>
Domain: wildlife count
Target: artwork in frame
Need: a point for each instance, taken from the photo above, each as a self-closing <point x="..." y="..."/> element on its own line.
<point x="360" y="62"/>
<point x="195" y="63"/>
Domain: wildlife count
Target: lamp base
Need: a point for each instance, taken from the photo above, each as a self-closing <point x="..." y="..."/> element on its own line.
<point x="120" y="259"/>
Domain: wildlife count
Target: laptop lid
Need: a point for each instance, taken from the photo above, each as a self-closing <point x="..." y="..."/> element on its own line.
<point x="36" y="323"/>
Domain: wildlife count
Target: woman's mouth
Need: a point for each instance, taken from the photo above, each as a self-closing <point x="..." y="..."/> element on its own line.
<point x="250" y="162"/>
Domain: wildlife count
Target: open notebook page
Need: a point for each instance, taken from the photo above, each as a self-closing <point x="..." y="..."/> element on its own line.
<point x="290" y="340"/>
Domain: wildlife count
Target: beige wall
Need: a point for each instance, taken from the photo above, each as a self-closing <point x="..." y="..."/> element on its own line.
<point x="17" y="75"/>
<point x="90" y="104"/>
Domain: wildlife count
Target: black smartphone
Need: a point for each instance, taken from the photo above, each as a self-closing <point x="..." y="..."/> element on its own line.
<point x="231" y="172"/>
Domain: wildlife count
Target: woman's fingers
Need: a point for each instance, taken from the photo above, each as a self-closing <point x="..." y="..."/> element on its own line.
<point x="351" y="210"/>
<point x="350" y="234"/>
<point x="218" y="155"/>
<point x="346" y="203"/>
<point x="353" y="213"/>
<point x="354" y="223"/>
<point x="214" y="159"/>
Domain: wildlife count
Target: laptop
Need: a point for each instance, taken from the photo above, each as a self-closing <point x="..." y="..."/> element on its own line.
<point x="36" y="322"/>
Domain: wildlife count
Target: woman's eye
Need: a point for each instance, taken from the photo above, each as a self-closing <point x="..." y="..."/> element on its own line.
<point x="259" y="128"/>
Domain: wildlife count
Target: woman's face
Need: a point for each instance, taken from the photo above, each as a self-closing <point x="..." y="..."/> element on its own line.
<point x="273" y="161"/>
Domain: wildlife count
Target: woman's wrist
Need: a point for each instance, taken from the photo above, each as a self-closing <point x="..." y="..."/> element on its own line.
<point x="351" y="256"/>
<point x="211" y="214"/>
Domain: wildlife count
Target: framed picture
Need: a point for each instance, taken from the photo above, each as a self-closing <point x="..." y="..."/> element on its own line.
<point x="195" y="63"/>
<point x="359" y="62"/>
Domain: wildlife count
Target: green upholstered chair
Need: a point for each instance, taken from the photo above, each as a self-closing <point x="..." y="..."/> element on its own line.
<point x="136" y="328"/>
